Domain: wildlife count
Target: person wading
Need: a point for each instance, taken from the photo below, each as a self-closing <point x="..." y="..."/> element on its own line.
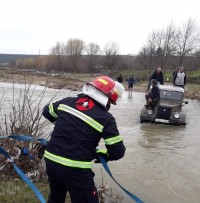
<point x="131" y="82"/>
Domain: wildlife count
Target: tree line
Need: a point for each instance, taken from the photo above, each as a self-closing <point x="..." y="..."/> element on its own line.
<point x="167" y="48"/>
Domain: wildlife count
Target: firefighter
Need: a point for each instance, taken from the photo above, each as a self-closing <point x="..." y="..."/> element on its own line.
<point x="80" y="123"/>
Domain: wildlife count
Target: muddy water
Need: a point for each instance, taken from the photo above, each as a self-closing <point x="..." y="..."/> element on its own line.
<point x="162" y="162"/>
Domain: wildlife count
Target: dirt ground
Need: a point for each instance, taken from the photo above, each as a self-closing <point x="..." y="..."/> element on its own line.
<point x="74" y="81"/>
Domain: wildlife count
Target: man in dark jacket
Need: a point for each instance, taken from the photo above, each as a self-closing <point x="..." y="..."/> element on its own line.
<point x="154" y="96"/>
<point x="120" y="79"/>
<point x="158" y="76"/>
<point x="80" y="123"/>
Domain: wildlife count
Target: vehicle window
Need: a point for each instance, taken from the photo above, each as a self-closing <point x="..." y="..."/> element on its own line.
<point x="173" y="95"/>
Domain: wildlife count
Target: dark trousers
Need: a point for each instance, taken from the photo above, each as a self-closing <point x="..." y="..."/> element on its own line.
<point x="78" y="182"/>
<point x="153" y="103"/>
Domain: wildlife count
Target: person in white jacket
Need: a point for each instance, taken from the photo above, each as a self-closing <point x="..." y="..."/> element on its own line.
<point x="180" y="78"/>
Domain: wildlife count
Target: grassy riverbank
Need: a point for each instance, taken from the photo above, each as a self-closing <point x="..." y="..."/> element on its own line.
<point x="17" y="191"/>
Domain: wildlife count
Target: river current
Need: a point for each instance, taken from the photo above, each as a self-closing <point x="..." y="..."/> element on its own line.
<point x="162" y="162"/>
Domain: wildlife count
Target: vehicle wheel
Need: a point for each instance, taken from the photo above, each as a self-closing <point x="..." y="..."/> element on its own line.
<point x="141" y="121"/>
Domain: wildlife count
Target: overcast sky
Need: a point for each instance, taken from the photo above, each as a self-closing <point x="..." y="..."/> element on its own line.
<point x="34" y="26"/>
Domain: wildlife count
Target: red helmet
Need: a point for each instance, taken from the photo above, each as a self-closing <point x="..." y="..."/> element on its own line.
<point x="106" y="85"/>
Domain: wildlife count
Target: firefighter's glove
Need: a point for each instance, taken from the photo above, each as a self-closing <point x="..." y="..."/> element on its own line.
<point x="103" y="154"/>
<point x="41" y="151"/>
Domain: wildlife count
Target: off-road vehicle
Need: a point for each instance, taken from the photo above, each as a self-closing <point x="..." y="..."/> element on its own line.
<point x="168" y="109"/>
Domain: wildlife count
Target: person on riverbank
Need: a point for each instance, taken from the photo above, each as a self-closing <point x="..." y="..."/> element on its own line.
<point x="80" y="123"/>
<point x="180" y="78"/>
<point x="173" y="75"/>
<point x="120" y="79"/>
<point x="158" y="76"/>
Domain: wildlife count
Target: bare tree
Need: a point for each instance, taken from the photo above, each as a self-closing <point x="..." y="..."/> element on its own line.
<point x="195" y="60"/>
<point x="150" y="49"/>
<point x="168" y="47"/>
<point x="74" y="50"/>
<point x="142" y="58"/>
<point x="131" y="62"/>
<point x="160" y="46"/>
<point x="58" y="50"/>
<point x="27" y="63"/>
<point x="187" y="40"/>
<point x="111" y="51"/>
<point x="92" y="50"/>
<point x="165" y="47"/>
<point x="57" y="56"/>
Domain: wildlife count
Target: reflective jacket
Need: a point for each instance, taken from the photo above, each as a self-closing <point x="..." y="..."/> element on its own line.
<point x="80" y="123"/>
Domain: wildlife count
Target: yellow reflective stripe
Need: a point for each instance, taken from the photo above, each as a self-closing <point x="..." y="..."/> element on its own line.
<point x="67" y="162"/>
<point x="51" y="111"/>
<point x="104" y="151"/>
<point x="113" y="140"/>
<point x="103" y="81"/>
<point x="82" y="116"/>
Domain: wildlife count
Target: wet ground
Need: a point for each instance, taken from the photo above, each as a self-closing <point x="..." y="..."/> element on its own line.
<point x="162" y="162"/>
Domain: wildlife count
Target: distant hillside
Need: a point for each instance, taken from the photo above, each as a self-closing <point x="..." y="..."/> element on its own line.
<point x="7" y="58"/>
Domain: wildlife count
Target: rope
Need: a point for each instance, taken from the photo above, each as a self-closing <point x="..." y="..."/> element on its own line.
<point x="25" y="138"/>
<point x="131" y="195"/>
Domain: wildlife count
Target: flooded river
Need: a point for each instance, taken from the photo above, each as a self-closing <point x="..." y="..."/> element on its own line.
<point x="162" y="162"/>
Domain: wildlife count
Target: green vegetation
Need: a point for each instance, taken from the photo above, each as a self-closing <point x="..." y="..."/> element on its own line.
<point x="16" y="191"/>
<point x="193" y="76"/>
<point x="140" y="74"/>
